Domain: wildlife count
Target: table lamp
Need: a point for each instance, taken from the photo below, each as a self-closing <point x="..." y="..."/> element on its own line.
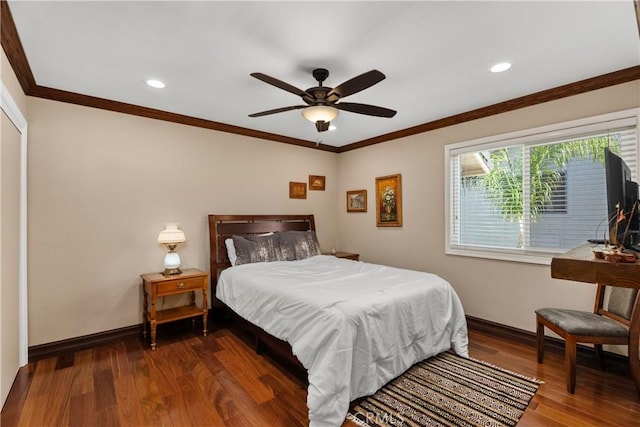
<point x="171" y="236"/>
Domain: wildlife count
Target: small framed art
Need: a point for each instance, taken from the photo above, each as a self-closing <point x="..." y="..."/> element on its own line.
<point x="357" y="201"/>
<point x="316" y="182"/>
<point x="389" y="201"/>
<point x="297" y="190"/>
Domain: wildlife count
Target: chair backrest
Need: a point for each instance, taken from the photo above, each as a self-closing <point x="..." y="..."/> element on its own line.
<point x="623" y="306"/>
<point x="622" y="301"/>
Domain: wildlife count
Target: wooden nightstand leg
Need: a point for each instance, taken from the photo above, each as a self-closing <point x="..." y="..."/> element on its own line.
<point x="153" y="334"/>
<point x="153" y="323"/>
<point x="144" y="314"/>
<point x="204" y="322"/>
<point x="205" y="312"/>
<point x="144" y="327"/>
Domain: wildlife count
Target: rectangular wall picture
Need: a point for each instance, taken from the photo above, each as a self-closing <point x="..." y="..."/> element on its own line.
<point x="316" y="182"/>
<point x="297" y="190"/>
<point x="389" y="201"/>
<point x="357" y="201"/>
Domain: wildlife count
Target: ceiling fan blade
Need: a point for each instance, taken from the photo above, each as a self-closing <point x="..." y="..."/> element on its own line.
<point x="357" y="84"/>
<point x="278" y="110"/>
<point x="369" y="110"/>
<point x="282" y="85"/>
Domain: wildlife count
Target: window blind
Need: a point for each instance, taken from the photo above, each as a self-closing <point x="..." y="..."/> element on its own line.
<point x="535" y="193"/>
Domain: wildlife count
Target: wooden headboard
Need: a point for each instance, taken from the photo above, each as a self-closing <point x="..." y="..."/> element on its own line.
<point x="222" y="227"/>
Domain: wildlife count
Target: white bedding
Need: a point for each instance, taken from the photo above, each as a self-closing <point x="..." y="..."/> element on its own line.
<point x="354" y="326"/>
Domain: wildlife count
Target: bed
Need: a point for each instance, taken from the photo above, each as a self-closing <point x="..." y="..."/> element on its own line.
<point x="336" y="316"/>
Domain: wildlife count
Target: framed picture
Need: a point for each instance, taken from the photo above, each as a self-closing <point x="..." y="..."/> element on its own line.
<point x="389" y="201"/>
<point x="316" y="182"/>
<point x="297" y="190"/>
<point x="357" y="201"/>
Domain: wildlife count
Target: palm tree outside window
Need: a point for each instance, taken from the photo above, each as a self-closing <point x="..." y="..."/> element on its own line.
<point x="546" y="194"/>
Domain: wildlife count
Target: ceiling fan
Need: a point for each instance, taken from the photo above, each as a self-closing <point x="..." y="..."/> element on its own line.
<point x="323" y="102"/>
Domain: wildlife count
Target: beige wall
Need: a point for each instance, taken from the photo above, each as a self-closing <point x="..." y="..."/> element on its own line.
<point x="499" y="291"/>
<point x="101" y="187"/>
<point x="10" y="149"/>
<point x="102" y="184"/>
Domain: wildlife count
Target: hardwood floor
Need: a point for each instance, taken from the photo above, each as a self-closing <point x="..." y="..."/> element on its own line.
<point x="219" y="380"/>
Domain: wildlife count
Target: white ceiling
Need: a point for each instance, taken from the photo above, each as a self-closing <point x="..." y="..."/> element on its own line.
<point x="436" y="55"/>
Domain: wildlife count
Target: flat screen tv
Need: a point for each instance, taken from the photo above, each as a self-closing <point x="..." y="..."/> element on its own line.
<point x="622" y="195"/>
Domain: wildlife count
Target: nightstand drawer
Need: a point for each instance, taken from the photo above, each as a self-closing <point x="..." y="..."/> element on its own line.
<point x="178" y="286"/>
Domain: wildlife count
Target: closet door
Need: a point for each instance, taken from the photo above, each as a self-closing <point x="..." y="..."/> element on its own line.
<point x="10" y="152"/>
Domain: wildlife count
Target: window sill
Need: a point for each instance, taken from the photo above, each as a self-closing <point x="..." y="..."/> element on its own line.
<point x="528" y="257"/>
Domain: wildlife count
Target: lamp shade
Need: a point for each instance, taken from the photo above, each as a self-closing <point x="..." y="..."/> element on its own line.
<point x="318" y="113"/>
<point x="171" y="235"/>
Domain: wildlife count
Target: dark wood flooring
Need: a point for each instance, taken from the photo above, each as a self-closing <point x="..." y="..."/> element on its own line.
<point x="220" y="381"/>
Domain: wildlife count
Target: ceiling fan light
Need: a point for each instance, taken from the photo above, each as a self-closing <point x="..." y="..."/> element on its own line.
<point x="318" y="113"/>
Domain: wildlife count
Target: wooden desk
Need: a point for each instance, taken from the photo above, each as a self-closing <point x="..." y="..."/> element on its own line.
<point x="580" y="265"/>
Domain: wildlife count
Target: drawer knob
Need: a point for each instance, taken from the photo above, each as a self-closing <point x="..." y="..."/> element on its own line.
<point x="180" y="285"/>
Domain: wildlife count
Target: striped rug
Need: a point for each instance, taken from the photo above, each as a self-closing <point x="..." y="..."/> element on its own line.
<point x="448" y="390"/>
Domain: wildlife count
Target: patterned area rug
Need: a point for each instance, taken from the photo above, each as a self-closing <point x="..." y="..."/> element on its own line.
<point x="448" y="390"/>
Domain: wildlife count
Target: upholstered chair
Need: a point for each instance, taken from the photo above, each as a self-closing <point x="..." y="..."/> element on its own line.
<point x="618" y="324"/>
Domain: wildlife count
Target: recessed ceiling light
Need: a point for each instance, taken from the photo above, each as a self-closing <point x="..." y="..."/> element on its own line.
<point x="155" y="83"/>
<point x="502" y="66"/>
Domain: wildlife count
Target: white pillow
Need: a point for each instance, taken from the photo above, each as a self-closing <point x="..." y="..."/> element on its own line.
<point x="231" y="251"/>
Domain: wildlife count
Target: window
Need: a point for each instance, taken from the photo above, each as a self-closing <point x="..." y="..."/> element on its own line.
<point x="557" y="201"/>
<point x="530" y="194"/>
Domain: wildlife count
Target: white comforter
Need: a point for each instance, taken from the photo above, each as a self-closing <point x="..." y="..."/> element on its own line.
<point x="354" y="326"/>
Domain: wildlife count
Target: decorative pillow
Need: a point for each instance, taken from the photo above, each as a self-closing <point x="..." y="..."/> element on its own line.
<point x="298" y="244"/>
<point x="256" y="249"/>
<point x="231" y="251"/>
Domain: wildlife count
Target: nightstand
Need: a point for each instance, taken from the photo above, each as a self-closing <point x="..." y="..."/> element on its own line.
<point x="156" y="285"/>
<point x="346" y="255"/>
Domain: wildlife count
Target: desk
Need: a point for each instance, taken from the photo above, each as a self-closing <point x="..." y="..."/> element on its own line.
<point x="580" y="265"/>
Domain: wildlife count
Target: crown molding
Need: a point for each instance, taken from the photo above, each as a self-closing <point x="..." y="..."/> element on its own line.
<point x="12" y="46"/>
<point x="152" y="113"/>
<point x="10" y="41"/>
<point x="582" y="86"/>
<point x="636" y="6"/>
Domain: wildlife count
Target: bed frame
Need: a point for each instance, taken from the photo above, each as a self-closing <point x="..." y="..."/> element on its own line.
<point x="222" y="227"/>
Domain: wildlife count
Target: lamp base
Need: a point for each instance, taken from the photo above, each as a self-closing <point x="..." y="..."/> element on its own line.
<point x="172" y="262"/>
<point x="171" y="271"/>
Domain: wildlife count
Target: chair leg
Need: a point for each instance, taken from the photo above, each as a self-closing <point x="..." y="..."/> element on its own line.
<point x="633" y="364"/>
<point x="599" y="356"/>
<point x="570" y="363"/>
<point x="540" y="337"/>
